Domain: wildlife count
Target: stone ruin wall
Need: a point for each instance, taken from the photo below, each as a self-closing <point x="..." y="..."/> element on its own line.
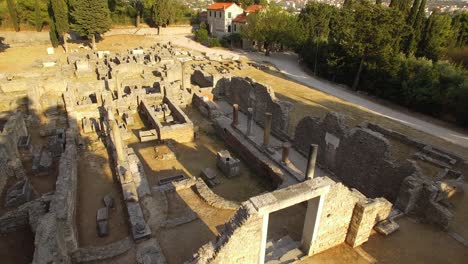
<point x="341" y="221"/>
<point x="248" y="93"/>
<point x="12" y="131"/>
<point x="359" y="157"/>
<point x="52" y="216"/>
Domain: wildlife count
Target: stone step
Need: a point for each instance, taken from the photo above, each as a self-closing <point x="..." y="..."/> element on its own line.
<point x="285" y="250"/>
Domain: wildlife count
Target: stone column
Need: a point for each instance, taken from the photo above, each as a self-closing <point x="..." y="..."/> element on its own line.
<point x="285" y="156"/>
<point x="249" y="121"/>
<point x="311" y="224"/>
<point x="311" y="161"/>
<point x="117" y="141"/>
<point x="267" y="129"/>
<point x="235" y="115"/>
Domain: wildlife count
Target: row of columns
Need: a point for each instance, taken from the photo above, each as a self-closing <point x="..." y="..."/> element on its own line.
<point x="313" y="149"/>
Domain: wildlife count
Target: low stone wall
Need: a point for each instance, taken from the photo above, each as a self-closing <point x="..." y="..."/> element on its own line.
<point x="181" y="133"/>
<point x="213" y="199"/>
<point x="101" y="253"/>
<point x="25" y="38"/>
<point x="248" y="93"/>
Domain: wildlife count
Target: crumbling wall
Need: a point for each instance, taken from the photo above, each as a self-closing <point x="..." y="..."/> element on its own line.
<point x="56" y="236"/>
<point x="360" y="157"/>
<point x="202" y="79"/>
<point x="238" y="242"/>
<point x="346" y="216"/>
<point x="248" y="93"/>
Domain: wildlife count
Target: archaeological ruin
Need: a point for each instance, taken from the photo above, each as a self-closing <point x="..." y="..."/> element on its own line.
<point x="162" y="155"/>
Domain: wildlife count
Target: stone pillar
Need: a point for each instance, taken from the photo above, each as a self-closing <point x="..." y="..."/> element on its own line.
<point x="285" y="156"/>
<point x="267" y="129"/>
<point x="235" y="115"/>
<point x="117" y="141"/>
<point x="311" y="161"/>
<point x="249" y="121"/>
<point x="311" y="224"/>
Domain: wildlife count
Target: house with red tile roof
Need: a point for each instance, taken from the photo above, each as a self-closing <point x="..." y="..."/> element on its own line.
<point x="241" y="20"/>
<point x="220" y="17"/>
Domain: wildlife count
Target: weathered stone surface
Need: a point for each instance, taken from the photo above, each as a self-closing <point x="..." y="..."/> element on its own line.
<point x="213" y="199"/>
<point x="108" y="201"/>
<point x="101" y="253"/>
<point x="229" y="165"/>
<point x="149" y="252"/>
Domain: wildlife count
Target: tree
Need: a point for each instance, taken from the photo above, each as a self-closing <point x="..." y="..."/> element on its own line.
<point x="368" y="33"/>
<point x="246" y="3"/>
<point x="416" y="22"/>
<point x="163" y="13"/>
<point x="460" y="30"/>
<point x="52" y="30"/>
<point x="401" y="5"/>
<point x="90" y="18"/>
<point x="272" y="26"/>
<point x="437" y="35"/>
<point x="140" y="6"/>
<point x="13" y="14"/>
<point x="60" y="19"/>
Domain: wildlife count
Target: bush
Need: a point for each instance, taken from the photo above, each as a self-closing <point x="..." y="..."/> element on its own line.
<point x="213" y="42"/>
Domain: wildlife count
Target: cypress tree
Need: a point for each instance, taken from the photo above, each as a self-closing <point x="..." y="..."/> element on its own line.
<point x="91" y="17"/>
<point x="418" y="27"/>
<point x="13" y="14"/>
<point x="52" y="30"/>
<point x="413" y="13"/>
<point x="37" y="16"/>
<point x="60" y="17"/>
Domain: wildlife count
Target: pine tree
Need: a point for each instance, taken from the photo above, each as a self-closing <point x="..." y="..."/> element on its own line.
<point x="90" y="17"/>
<point x="60" y="17"/>
<point x="13" y="14"/>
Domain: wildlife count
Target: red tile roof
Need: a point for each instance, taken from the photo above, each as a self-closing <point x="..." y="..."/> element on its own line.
<point x="253" y="8"/>
<point x="240" y="19"/>
<point x="220" y="6"/>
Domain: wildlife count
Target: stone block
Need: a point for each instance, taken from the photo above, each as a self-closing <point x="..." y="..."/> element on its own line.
<point x="227" y="164"/>
<point x="102" y="214"/>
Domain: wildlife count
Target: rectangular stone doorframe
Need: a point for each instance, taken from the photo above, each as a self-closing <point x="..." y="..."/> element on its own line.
<point x="313" y="191"/>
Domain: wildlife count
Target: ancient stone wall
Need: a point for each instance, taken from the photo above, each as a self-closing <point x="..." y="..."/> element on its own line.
<point x="230" y="246"/>
<point x="247" y="93"/>
<point x="202" y="79"/>
<point x="346" y="216"/>
<point x="360" y="157"/>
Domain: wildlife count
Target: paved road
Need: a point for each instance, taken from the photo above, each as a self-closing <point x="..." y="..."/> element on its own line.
<point x="288" y="64"/>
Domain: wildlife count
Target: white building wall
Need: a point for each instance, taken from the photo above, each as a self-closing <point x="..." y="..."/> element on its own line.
<point x="219" y="21"/>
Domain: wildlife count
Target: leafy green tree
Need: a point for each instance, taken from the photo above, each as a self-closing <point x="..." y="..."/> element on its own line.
<point x="437" y="36"/>
<point x="273" y="26"/>
<point x="368" y="33"/>
<point x="90" y="18"/>
<point x="60" y="19"/>
<point x="13" y="14"/>
<point x="401" y="5"/>
<point x="416" y="21"/>
<point x="460" y="30"/>
<point x="163" y="13"/>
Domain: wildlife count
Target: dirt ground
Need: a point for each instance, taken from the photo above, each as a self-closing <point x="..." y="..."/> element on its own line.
<point x="95" y="180"/>
<point x="17" y="247"/>
<point x="195" y="233"/>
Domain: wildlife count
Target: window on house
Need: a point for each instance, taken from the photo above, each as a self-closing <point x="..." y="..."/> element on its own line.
<point x="235" y="28"/>
<point x="220" y="14"/>
<point x="210" y="13"/>
<point x="229" y="29"/>
<point x="229" y="14"/>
